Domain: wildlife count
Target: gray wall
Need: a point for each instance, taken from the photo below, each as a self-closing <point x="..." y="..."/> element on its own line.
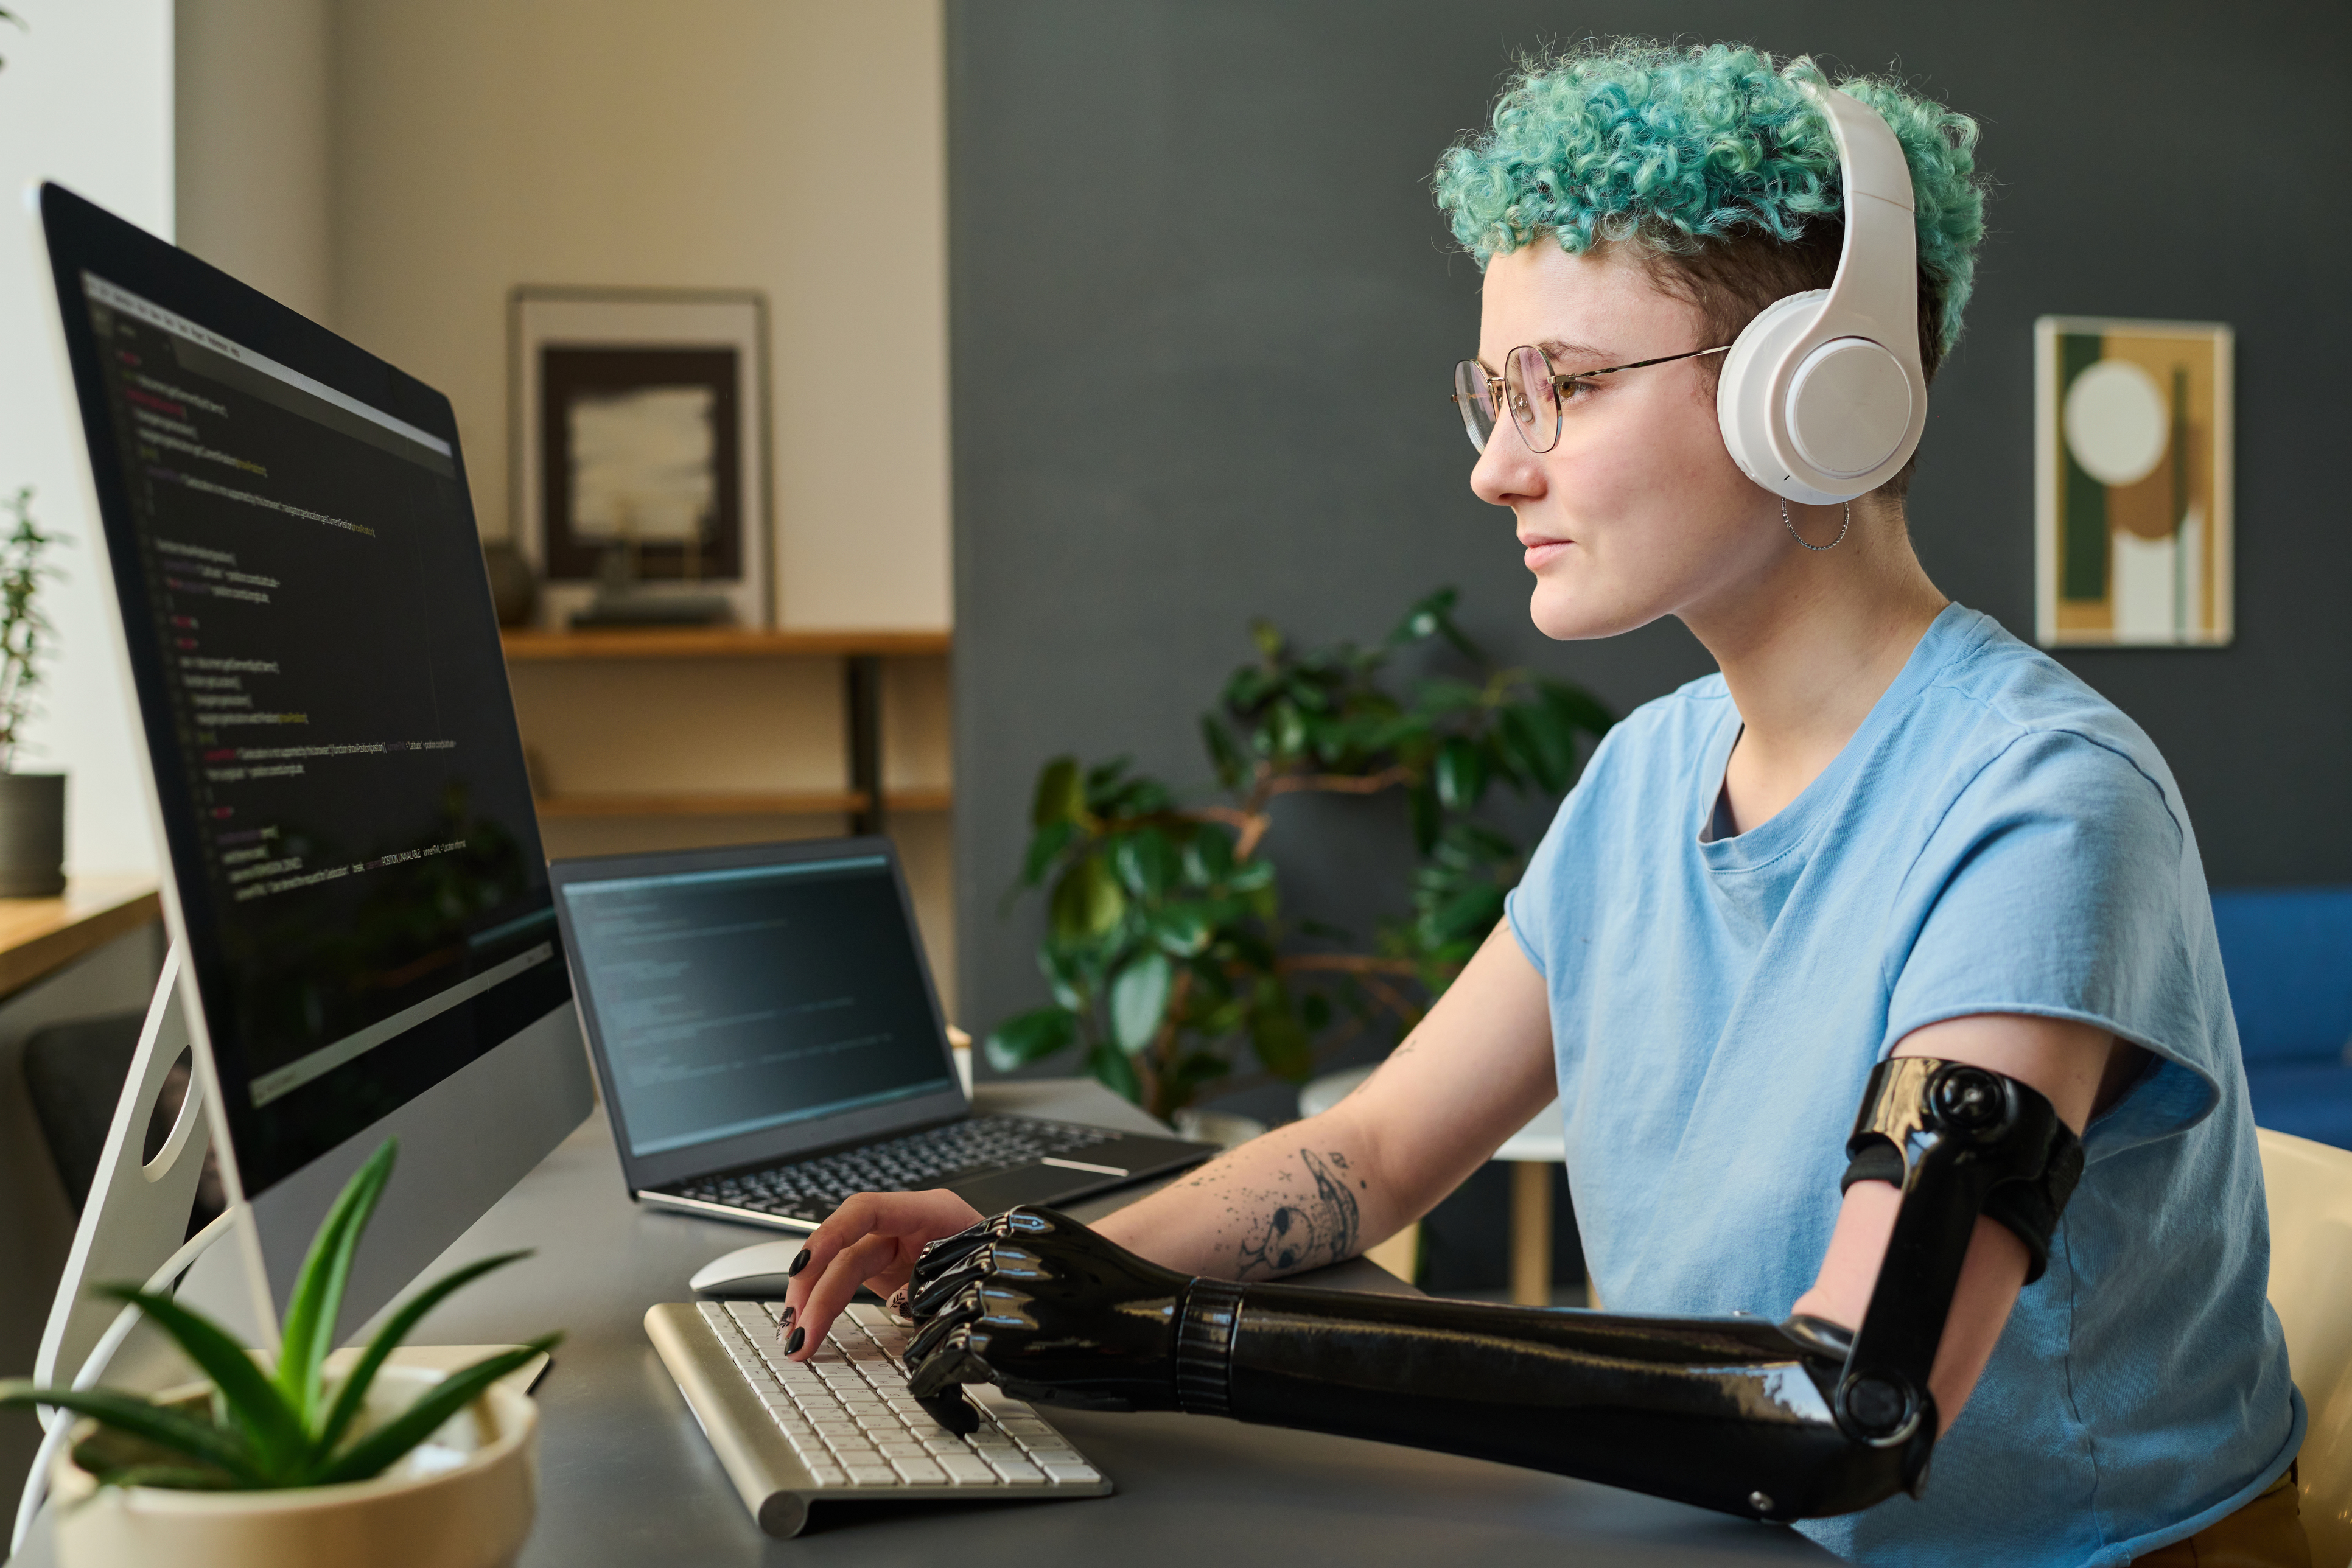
<point x="1204" y="312"/>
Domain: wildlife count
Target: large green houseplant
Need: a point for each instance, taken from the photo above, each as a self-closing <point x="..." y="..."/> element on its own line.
<point x="301" y="1440"/>
<point x="1166" y="945"/>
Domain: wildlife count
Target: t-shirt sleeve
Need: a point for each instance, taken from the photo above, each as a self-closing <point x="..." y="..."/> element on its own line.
<point x="2060" y="884"/>
<point x="1527" y="906"/>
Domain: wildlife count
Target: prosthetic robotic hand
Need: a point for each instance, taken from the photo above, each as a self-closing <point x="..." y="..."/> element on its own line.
<point x="1793" y="1420"/>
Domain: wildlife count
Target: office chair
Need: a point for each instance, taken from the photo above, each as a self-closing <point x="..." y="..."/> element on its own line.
<point x="2310" y="1189"/>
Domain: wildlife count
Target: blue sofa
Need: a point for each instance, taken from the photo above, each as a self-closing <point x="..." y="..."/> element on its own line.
<point x="2288" y="954"/>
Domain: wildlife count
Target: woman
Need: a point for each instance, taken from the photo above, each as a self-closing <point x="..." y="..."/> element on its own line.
<point x="1886" y="828"/>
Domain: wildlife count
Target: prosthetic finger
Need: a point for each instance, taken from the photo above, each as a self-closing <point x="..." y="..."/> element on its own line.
<point x="950" y="1249"/>
<point x="928" y="1291"/>
<point x="951" y="1362"/>
<point x="964" y="1308"/>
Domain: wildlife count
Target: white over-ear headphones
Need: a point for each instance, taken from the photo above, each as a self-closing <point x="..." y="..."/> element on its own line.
<point x="1822" y="398"/>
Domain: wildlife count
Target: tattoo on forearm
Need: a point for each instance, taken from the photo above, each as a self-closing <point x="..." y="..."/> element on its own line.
<point x="1300" y="1231"/>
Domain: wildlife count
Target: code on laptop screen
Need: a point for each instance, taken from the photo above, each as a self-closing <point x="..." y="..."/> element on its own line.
<point x="731" y="1001"/>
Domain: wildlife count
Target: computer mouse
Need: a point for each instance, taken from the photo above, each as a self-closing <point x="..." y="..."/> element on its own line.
<point x="755" y="1270"/>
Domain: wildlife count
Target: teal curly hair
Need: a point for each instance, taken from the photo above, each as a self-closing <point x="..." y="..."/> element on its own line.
<point x="1690" y="151"/>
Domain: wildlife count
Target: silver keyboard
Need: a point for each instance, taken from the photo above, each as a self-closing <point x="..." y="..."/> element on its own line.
<point x="842" y="1425"/>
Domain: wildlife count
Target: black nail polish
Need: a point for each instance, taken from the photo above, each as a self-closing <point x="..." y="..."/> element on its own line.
<point x="799" y="1263"/>
<point x="790" y="1313"/>
<point x="793" y="1340"/>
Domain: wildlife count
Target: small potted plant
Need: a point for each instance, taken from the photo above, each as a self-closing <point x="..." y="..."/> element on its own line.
<point x="378" y="1466"/>
<point x="32" y="805"/>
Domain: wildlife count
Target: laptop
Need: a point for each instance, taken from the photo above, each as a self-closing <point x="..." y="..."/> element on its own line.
<point x="768" y="1041"/>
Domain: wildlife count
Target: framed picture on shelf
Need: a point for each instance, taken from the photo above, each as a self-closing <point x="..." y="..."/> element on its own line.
<point x="638" y="442"/>
<point x="2134" y="537"/>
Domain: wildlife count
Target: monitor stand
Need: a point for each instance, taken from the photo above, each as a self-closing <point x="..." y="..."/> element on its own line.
<point x="134" y="1225"/>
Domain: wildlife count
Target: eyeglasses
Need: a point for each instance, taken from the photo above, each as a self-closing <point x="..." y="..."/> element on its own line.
<point x="1534" y="392"/>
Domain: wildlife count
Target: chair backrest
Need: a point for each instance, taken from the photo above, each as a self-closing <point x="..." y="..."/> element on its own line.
<point x="2288" y="955"/>
<point x="2310" y="1189"/>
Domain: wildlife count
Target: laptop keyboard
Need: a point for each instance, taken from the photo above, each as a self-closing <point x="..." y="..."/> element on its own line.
<point x="935" y="1156"/>
<point x="855" y="1428"/>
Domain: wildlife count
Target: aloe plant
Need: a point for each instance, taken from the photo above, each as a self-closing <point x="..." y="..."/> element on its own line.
<point x="294" y="1427"/>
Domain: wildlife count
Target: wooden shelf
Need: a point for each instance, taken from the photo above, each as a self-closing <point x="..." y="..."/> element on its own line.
<point x="720" y="642"/>
<point x="40" y="936"/>
<point x="789" y="803"/>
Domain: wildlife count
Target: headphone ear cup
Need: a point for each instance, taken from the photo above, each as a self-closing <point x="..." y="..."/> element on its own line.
<point x="1743" y="393"/>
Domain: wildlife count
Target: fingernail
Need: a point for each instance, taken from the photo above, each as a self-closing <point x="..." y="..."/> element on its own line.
<point x="790" y="1313"/>
<point x="799" y="1263"/>
<point x="793" y="1340"/>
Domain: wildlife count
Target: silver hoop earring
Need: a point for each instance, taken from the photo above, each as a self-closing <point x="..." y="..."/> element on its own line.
<point x="1799" y="538"/>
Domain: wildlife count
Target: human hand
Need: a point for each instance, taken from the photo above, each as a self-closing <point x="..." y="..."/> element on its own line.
<point x="1047" y="1309"/>
<point x="873" y="1238"/>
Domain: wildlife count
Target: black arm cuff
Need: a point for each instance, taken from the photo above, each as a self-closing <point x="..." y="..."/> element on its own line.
<point x="2030" y="1209"/>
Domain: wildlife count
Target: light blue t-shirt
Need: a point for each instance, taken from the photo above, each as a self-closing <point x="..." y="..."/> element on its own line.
<point x="1996" y="837"/>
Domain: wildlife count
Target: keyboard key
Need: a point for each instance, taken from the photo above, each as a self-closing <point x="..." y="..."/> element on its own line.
<point x="828" y="1475"/>
<point x="966" y="1471"/>
<point x="919" y="1472"/>
<point x="1046" y="1458"/>
<point x="1065" y="1474"/>
<point x="1014" y="1473"/>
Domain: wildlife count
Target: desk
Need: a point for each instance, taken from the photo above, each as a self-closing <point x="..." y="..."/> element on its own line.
<point x="40" y="936"/>
<point x="626" y="1478"/>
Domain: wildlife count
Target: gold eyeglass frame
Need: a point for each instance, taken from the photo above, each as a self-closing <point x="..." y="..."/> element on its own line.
<point x="1498" y="385"/>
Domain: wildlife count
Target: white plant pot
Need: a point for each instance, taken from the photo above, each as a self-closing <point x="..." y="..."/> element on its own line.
<point x="463" y="1499"/>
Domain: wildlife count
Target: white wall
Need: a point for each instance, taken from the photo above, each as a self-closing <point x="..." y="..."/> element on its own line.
<point x="86" y="99"/>
<point x="792" y="146"/>
<point x="254" y="143"/>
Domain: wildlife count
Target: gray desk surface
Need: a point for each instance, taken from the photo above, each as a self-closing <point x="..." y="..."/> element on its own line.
<point x="625" y="1476"/>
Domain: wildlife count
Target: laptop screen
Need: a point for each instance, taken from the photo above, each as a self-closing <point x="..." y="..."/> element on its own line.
<point x="728" y="1001"/>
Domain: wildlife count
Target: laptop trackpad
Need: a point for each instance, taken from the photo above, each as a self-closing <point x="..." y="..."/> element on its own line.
<point x="1043" y="1185"/>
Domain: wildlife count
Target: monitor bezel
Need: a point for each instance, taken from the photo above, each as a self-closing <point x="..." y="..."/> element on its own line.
<point x="793" y="1139"/>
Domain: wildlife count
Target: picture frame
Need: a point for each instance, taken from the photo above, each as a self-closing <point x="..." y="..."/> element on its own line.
<point x="2135" y="527"/>
<point x="638" y="443"/>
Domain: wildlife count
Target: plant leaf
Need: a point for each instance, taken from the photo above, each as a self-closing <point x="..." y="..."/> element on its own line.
<point x="1460" y="773"/>
<point x="371" y="1455"/>
<point x="1574" y="706"/>
<point x="354" y="1393"/>
<point x="318" y="1299"/>
<point x="149" y="1423"/>
<point x="255" y="1405"/>
<point x="1147" y="862"/>
<point x="1045" y="846"/>
<point x="1232" y="768"/>
<point x="1139" y="1000"/>
<point x="1182" y="928"/>
<point x="1087" y="900"/>
<point x="1061" y="794"/>
<point x="1209" y="857"/>
<point x="1277" y="1036"/>
<point x="1111" y="1066"/>
<point x="1422" y="800"/>
<point x="1029" y="1036"/>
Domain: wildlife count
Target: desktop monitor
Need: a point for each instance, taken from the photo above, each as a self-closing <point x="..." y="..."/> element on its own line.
<point x="354" y="878"/>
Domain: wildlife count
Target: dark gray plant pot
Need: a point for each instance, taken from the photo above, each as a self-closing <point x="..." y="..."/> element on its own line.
<point x="514" y="587"/>
<point x="32" y="836"/>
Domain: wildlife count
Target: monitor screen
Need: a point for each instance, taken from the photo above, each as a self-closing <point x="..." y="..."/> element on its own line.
<point x="734" y="1000"/>
<point x="363" y="891"/>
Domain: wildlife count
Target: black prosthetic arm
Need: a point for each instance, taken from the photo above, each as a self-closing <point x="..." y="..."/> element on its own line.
<point x="1781" y="1421"/>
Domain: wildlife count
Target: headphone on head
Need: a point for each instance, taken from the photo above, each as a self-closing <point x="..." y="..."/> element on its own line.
<point x="1823" y="397"/>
